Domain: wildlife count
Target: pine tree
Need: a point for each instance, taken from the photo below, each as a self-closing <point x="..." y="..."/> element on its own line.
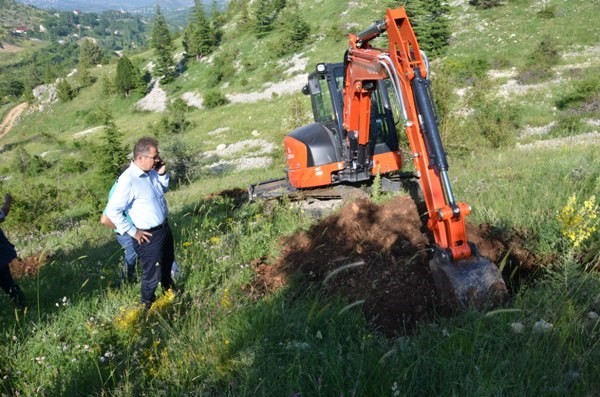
<point x="64" y="91"/>
<point x="125" y="80"/>
<point x="198" y="37"/>
<point x="162" y="43"/>
<point x="297" y="28"/>
<point x="89" y="54"/>
<point x="429" y="19"/>
<point x="244" y="16"/>
<point x="111" y="153"/>
<point x="262" y="18"/>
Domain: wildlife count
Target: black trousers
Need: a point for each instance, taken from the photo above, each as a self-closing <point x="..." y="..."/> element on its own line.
<point x="10" y="287"/>
<point x="7" y="283"/>
<point x="156" y="257"/>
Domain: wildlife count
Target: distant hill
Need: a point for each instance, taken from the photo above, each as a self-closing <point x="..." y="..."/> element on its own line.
<point x="99" y="6"/>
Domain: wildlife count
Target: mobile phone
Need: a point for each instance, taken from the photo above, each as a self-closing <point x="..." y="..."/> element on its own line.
<point x="159" y="164"/>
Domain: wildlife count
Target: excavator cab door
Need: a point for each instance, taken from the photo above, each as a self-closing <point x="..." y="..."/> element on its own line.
<point x="325" y="86"/>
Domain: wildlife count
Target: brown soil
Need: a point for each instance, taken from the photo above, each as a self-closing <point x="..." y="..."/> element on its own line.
<point x="378" y="255"/>
<point x="26" y="267"/>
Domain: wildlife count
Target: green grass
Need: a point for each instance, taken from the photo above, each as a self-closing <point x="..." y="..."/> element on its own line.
<point x="218" y="338"/>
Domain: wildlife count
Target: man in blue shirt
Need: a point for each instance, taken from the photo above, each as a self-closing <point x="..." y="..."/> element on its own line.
<point x="7" y="254"/>
<point x="140" y="193"/>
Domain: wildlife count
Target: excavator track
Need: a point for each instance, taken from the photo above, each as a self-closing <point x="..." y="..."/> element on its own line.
<point x="278" y="188"/>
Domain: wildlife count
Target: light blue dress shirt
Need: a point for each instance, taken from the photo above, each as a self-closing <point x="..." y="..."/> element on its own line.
<point x="141" y="195"/>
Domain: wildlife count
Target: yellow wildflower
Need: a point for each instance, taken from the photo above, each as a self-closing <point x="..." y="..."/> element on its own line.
<point x="578" y="224"/>
<point x="163" y="302"/>
<point x="128" y="319"/>
<point x="226" y="299"/>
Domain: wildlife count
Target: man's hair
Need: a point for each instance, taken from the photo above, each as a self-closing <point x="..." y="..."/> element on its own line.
<point x="143" y="146"/>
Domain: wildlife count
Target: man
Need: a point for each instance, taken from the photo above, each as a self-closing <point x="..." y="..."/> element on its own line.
<point x="140" y="193"/>
<point x="125" y="241"/>
<point x="7" y="254"/>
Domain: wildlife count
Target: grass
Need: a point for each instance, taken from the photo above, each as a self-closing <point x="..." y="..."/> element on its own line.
<point x="83" y="336"/>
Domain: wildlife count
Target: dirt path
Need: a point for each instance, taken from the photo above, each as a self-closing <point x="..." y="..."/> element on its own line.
<point x="10" y="119"/>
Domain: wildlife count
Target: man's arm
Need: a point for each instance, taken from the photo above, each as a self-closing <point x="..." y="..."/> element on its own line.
<point x="118" y="203"/>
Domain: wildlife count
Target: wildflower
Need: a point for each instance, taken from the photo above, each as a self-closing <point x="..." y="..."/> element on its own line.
<point x="319" y="335"/>
<point x="186" y="244"/>
<point x="226" y="299"/>
<point x="163" y="302"/>
<point x="517" y="328"/>
<point x="214" y="240"/>
<point x="395" y="389"/>
<point x="226" y="341"/>
<point x="542" y="326"/>
<point x="578" y="225"/>
<point x="127" y="319"/>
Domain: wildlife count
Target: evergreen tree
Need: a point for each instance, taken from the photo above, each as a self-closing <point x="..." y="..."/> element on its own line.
<point x="244" y="16"/>
<point x="108" y="86"/>
<point x="111" y="153"/>
<point x="85" y="78"/>
<point x="262" y="18"/>
<point x="64" y="91"/>
<point x="198" y="37"/>
<point x="125" y="80"/>
<point x="89" y="54"/>
<point x="162" y="44"/>
<point x="429" y="19"/>
<point x="216" y="15"/>
<point x="296" y="27"/>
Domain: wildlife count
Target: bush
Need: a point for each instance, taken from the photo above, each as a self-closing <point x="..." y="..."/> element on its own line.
<point x="567" y="125"/>
<point x="214" y="98"/>
<point x="494" y="121"/>
<point x="583" y="91"/>
<point x="541" y="60"/>
<point x="64" y="91"/>
<point x="485" y="4"/>
<point x="467" y="70"/>
<point x="182" y="161"/>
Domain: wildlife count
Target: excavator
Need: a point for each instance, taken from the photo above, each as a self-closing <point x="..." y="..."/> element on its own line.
<point x="359" y="105"/>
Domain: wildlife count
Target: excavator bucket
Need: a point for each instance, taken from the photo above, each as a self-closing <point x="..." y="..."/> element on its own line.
<point x="474" y="282"/>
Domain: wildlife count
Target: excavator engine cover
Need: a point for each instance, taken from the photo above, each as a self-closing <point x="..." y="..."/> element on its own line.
<point x="474" y="282"/>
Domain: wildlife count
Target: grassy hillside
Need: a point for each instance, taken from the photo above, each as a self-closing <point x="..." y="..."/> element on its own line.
<point x="517" y="90"/>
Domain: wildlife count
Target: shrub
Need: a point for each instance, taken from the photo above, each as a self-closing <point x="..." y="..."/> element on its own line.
<point x="214" y="98"/>
<point x="467" y="70"/>
<point x="582" y="92"/>
<point x="568" y="125"/>
<point x="484" y="4"/>
<point x="64" y="91"/>
<point x="541" y="60"/>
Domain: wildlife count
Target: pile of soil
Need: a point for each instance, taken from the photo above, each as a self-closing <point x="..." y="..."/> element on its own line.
<point x="27" y="267"/>
<point x="377" y="255"/>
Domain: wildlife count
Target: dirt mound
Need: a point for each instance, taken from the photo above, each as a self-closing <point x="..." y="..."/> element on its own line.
<point x="27" y="267"/>
<point x="376" y="257"/>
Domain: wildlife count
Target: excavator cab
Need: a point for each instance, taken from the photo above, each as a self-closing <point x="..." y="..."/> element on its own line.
<point x="328" y="145"/>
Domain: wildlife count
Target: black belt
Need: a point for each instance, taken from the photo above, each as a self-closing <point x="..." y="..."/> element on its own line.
<point x="155" y="228"/>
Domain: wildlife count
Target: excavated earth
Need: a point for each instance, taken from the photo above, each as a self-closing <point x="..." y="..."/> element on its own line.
<point x="376" y="256"/>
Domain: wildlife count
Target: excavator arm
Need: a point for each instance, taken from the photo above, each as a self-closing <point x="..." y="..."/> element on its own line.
<point x="461" y="275"/>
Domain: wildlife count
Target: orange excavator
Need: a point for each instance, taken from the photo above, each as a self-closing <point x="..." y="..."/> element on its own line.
<point x="359" y="105"/>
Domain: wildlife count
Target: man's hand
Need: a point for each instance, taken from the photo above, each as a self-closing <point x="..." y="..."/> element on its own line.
<point x="160" y="166"/>
<point x="142" y="236"/>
